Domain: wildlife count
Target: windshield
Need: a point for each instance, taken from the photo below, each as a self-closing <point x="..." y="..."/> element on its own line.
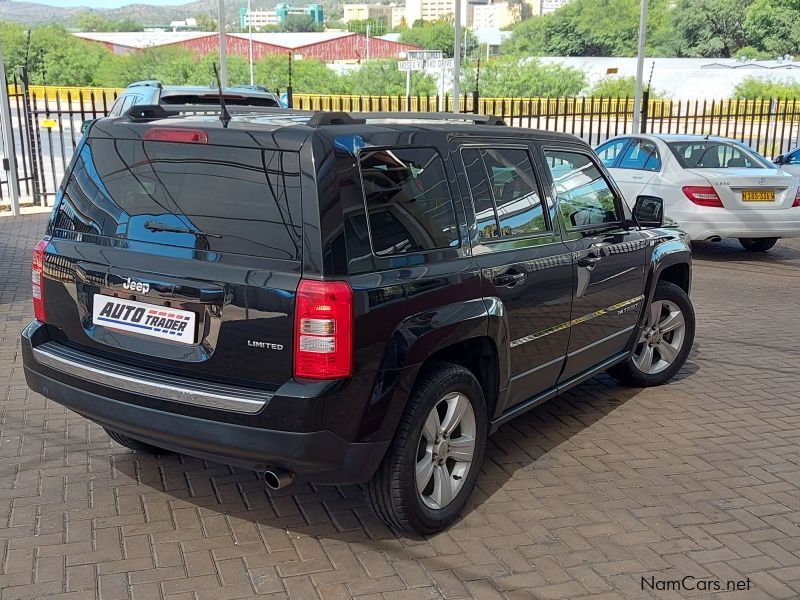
<point x="710" y="154"/>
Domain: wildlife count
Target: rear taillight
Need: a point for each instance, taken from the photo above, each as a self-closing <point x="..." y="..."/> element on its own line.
<point x="796" y="202"/>
<point x="703" y="195"/>
<point x="323" y="336"/>
<point x="37" y="279"/>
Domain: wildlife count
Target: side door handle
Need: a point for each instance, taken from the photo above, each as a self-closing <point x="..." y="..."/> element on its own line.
<point x="589" y="262"/>
<point x="508" y="279"/>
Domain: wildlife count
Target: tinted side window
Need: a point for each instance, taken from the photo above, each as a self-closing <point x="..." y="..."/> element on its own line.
<point x="519" y="206"/>
<point x="116" y="108"/>
<point x="642" y="156"/>
<point x="504" y="192"/>
<point x="485" y="215"/>
<point x="408" y="201"/>
<point x="583" y="194"/>
<point x="609" y="151"/>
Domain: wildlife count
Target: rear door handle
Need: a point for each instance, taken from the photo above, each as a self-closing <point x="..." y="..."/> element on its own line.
<point x="588" y="262"/>
<point x="508" y="279"/>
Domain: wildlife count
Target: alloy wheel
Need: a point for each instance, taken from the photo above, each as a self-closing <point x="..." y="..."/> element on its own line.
<point x="446" y="450"/>
<point x="662" y="338"/>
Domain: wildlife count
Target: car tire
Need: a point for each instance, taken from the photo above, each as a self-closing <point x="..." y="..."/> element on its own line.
<point x="664" y="342"/>
<point x="757" y="244"/>
<point x="394" y="491"/>
<point x="132" y="444"/>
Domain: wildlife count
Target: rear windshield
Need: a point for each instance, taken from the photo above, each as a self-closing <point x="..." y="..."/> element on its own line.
<point x="709" y="154"/>
<point x="231" y="100"/>
<point x="183" y="195"/>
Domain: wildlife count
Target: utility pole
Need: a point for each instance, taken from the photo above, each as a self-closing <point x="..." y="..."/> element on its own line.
<point x="10" y="162"/>
<point x="250" y="36"/>
<point x="457" y="58"/>
<point x="637" y="100"/>
<point x="223" y="58"/>
<point x="368" y="24"/>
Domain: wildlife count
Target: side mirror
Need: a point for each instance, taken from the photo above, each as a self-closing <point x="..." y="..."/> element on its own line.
<point x="778" y="160"/>
<point x="85" y="125"/>
<point x="649" y="211"/>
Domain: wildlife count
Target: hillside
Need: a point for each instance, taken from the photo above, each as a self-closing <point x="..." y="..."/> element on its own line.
<point x="39" y="14"/>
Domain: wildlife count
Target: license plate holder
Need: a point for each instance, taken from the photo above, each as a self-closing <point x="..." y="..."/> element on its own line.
<point x="758" y="195"/>
<point x="160" y="322"/>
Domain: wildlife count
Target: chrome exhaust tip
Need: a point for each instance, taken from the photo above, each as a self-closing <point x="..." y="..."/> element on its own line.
<point x="278" y="478"/>
<point x="714" y="238"/>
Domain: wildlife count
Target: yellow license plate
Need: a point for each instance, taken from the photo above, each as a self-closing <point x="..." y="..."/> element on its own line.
<point x="758" y="195"/>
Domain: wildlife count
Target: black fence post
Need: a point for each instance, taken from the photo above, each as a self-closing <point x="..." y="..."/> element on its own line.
<point x="645" y="111"/>
<point x="289" y="99"/>
<point x="30" y="125"/>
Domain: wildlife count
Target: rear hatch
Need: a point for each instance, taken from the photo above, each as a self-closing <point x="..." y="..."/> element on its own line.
<point x="748" y="189"/>
<point x="179" y="253"/>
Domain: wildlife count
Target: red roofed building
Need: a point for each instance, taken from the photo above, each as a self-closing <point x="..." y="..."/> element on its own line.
<point x="327" y="46"/>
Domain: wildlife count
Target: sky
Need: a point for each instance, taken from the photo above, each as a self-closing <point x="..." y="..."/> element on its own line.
<point x="107" y="3"/>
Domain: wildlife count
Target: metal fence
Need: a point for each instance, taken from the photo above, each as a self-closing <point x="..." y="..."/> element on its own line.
<point x="47" y="122"/>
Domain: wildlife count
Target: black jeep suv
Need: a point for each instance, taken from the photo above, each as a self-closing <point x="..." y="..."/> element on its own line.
<point x="346" y="297"/>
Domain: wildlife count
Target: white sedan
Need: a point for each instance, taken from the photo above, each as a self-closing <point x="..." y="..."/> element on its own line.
<point x="715" y="188"/>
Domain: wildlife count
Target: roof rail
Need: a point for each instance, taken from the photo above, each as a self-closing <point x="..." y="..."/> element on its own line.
<point x="345" y="118"/>
<point x="146" y="83"/>
<point x="334" y="118"/>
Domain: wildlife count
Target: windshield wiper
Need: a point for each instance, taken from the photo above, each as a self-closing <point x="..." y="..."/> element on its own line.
<point x="156" y="226"/>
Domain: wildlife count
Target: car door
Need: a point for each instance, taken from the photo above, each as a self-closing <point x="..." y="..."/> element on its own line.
<point x="525" y="266"/>
<point x="635" y="168"/>
<point x="608" y="259"/>
<point x="792" y="163"/>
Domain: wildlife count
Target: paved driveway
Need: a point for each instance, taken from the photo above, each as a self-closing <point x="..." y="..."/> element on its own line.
<point x="597" y="494"/>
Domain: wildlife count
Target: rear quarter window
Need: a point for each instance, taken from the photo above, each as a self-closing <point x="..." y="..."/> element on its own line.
<point x="409" y="207"/>
<point x="220" y="199"/>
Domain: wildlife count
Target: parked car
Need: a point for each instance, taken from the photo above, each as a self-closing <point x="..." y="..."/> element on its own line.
<point x="789" y="162"/>
<point x="348" y="298"/>
<point x="154" y="92"/>
<point x="716" y="188"/>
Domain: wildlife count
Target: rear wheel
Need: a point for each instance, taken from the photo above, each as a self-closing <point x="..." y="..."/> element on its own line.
<point x="430" y="469"/>
<point x="665" y="341"/>
<point x="757" y="244"/>
<point x="132" y="444"/>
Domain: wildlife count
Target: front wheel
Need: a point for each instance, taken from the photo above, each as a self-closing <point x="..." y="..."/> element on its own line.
<point x="757" y="244"/>
<point x="665" y="340"/>
<point x="430" y="469"/>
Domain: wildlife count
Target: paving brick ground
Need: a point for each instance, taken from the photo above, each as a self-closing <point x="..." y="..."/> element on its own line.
<point x="581" y="498"/>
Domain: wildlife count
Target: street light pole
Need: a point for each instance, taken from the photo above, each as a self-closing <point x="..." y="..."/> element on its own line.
<point x="250" y="36"/>
<point x="8" y="139"/>
<point x="637" y="100"/>
<point x="223" y="58"/>
<point x="457" y="57"/>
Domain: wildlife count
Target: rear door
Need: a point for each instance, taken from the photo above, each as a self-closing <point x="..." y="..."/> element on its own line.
<point x="201" y="241"/>
<point x="523" y="261"/>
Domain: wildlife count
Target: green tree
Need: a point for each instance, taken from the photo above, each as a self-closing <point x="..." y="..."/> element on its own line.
<point x="773" y="26"/>
<point x="309" y="75"/>
<point x="593" y="28"/>
<point x="711" y="27"/>
<point x="300" y="23"/>
<point x="511" y="76"/>
<point x="87" y="21"/>
<point x="753" y="87"/>
<point x="206" y="22"/>
<point x="382" y="77"/>
<point x="437" y="35"/>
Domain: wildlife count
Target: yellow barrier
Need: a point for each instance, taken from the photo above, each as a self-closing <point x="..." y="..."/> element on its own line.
<point x="64" y="93"/>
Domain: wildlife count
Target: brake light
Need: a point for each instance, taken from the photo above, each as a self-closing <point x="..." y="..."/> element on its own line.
<point x="796" y="202"/>
<point x="703" y="195"/>
<point x="323" y="336"/>
<point x="176" y="134"/>
<point x="37" y="278"/>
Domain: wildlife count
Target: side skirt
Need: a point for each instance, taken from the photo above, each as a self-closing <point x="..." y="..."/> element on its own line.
<point x="562" y="387"/>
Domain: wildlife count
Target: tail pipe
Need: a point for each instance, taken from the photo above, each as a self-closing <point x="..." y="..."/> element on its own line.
<point x="278" y="478"/>
<point x="714" y="238"/>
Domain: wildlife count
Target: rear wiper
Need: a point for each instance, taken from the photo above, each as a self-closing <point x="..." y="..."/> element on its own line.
<point x="156" y="226"/>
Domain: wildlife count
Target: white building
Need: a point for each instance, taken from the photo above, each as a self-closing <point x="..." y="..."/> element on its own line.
<point x="259" y="18"/>
<point x="494" y="15"/>
<point x="433" y="10"/>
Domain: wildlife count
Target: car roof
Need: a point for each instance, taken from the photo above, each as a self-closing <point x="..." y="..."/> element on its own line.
<point x="177" y="90"/>
<point x="678" y="137"/>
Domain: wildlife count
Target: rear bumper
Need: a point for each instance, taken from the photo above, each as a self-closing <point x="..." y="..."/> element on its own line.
<point x="320" y="456"/>
<point x="704" y="223"/>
